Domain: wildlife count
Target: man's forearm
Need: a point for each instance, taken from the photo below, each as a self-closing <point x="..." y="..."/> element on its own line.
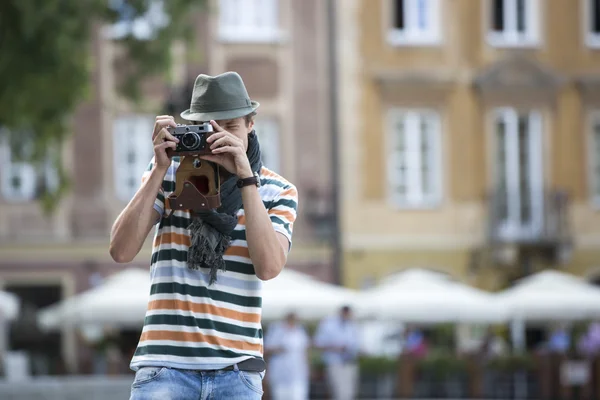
<point x="134" y="223"/>
<point x="266" y="251"/>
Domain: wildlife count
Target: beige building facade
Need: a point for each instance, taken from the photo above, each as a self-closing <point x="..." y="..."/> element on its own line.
<point x="279" y="48"/>
<point x="470" y="137"/>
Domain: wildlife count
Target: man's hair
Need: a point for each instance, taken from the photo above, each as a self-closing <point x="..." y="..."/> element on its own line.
<point x="250" y="117"/>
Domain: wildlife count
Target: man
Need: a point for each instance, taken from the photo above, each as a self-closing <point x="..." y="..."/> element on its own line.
<point x="202" y="336"/>
<point x="337" y="337"/>
<point x="286" y="345"/>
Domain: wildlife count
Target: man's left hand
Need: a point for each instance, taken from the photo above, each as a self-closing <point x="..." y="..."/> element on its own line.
<point x="228" y="151"/>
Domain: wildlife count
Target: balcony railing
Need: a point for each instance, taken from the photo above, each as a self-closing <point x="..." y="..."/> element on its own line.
<point x="540" y="223"/>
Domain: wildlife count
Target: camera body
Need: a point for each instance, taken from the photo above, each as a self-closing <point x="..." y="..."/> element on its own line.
<point x="192" y="139"/>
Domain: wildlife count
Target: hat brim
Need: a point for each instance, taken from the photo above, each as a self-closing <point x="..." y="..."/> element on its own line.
<point x="220" y="115"/>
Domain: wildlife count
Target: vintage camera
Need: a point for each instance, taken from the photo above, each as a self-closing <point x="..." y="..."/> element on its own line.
<point x="192" y="139"/>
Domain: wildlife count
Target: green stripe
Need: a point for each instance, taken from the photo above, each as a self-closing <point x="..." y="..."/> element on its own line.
<point x="238" y="234"/>
<point x="285" y="203"/>
<point x="269" y="181"/>
<point x="202" y="323"/>
<point x="198" y="352"/>
<point x="202" y="291"/>
<point x="176" y="222"/>
<point x="181" y="256"/>
<point x="279" y="221"/>
<point x="168" y="186"/>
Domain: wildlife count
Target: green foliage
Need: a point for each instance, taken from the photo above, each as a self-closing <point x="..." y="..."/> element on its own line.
<point x="46" y="67"/>
<point x="442" y="364"/>
<point x="377" y="365"/>
<point x="512" y="363"/>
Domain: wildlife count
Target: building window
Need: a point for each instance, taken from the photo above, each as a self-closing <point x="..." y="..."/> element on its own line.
<point x="267" y="130"/>
<point x="592" y="23"/>
<point x="514" y="22"/>
<point x="415" y="22"/>
<point x="594" y="157"/>
<point x="133" y="150"/>
<point x="518" y="170"/>
<point x="249" y="20"/>
<point x="141" y="27"/>
<point x="414" y="162"/>
<point x="22" y="181"/>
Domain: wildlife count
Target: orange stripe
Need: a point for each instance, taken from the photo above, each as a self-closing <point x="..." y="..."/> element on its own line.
<point x="288" y="215"/>
<point x="172" y="238"/>
<point x="237" y="251"/>
<point x="204" y="309"/>
<point x="289" y="192"/>
<point x="197" y="337"/>
<point x="242" y="220"/>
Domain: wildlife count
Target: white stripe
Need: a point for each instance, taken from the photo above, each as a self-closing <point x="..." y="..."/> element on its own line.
<point x="205" y="300"/>
<point x="240" y="259"/>
<point x="190" y="360"/>
<point x="172" y="229"/>
<point x="206" y="332"/>
<point x="194" y="345"/>
<point x="187" y="280"/>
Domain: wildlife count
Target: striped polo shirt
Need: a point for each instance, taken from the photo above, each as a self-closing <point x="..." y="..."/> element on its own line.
<point x="188" y="324"/>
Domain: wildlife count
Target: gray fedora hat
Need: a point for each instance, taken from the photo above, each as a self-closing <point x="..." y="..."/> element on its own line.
<point x="219" y="97"/>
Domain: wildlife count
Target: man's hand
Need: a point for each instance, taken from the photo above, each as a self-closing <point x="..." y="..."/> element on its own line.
<point x="228" y="151"/>
<point x="162" y="140"/>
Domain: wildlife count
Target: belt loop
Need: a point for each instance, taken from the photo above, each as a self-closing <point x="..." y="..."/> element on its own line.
<point x="235" y="367"/>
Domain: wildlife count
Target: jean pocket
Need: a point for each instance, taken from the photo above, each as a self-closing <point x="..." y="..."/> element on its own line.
<point x="253" y="380"/>
<point x="147" y="374"/>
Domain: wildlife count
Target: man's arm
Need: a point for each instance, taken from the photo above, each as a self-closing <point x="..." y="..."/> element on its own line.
<point x="137" y="219"/>
<point x="134" y="223"/>
<point x="268" y="249"/>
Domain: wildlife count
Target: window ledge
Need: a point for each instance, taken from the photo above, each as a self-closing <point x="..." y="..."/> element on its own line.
<point x="260" y="37"/>
<point x="502" y="41"/>
<point x="399" y="39"/>
<point x="422" y="206"/>
<point x="592" y="40"/>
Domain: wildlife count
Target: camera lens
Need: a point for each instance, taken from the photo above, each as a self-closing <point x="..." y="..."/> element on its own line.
<point x="191" y="141"/>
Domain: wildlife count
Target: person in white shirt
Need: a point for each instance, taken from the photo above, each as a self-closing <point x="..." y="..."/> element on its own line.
<point x="337" y="337"/>
<point x="286" y="346"/>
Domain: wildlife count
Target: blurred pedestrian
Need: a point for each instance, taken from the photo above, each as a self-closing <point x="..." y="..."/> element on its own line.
<point x="286" y="350"/>
<point x="337" y="337"/>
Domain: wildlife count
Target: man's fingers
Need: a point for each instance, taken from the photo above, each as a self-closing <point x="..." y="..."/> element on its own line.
<point x="226" y="149"/>
<point x="166" y="145"/>
<point x="223" y="141"/>
<point x="216" y="126"/>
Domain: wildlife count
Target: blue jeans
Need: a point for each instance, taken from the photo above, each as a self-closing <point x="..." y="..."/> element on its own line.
<point x="161" y="383"/>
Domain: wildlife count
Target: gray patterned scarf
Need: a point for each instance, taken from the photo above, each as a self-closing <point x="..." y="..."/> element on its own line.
<point x="211" y="229"/>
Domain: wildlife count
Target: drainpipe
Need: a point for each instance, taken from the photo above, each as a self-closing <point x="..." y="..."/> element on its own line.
<point x="336" y="239"/>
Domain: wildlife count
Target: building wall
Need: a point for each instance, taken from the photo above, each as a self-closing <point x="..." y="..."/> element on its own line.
<point x="379" y="237"/>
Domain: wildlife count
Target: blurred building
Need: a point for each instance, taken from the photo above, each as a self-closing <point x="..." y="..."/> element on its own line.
<point x="281" y="53"/>
<point x="470" y="137"/>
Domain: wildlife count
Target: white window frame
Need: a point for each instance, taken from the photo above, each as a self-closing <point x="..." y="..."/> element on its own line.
<point x="131" y="131"/>
<point x="591" y="39"/>
<point x="236" y="16"/>
<point x="269" y="136"/>
<point x="593" y="158"/>
<point x="512" y="228"/>
<point x="415" y="198"/>
<point x="510" y="37"/>
<point x="26" y="172"/>
<point x="412" y="33"/>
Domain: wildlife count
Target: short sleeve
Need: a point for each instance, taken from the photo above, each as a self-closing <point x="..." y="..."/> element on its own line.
<point x="159" y="202"/>
<point x="282" y="211"/>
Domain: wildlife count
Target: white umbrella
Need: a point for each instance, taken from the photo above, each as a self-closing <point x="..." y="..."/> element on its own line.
<point x="9" y="305"/>
<point x="308" y="298"/>
<point x="121" y="300"/>
<point x="552" y="296"/>
<point x="417" y="296"/>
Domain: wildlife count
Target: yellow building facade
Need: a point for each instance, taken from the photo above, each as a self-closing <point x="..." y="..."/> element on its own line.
<point x="470" y="137"/>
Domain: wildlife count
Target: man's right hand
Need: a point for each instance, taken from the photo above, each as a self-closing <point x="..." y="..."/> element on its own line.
<point x="162" y="140"/>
